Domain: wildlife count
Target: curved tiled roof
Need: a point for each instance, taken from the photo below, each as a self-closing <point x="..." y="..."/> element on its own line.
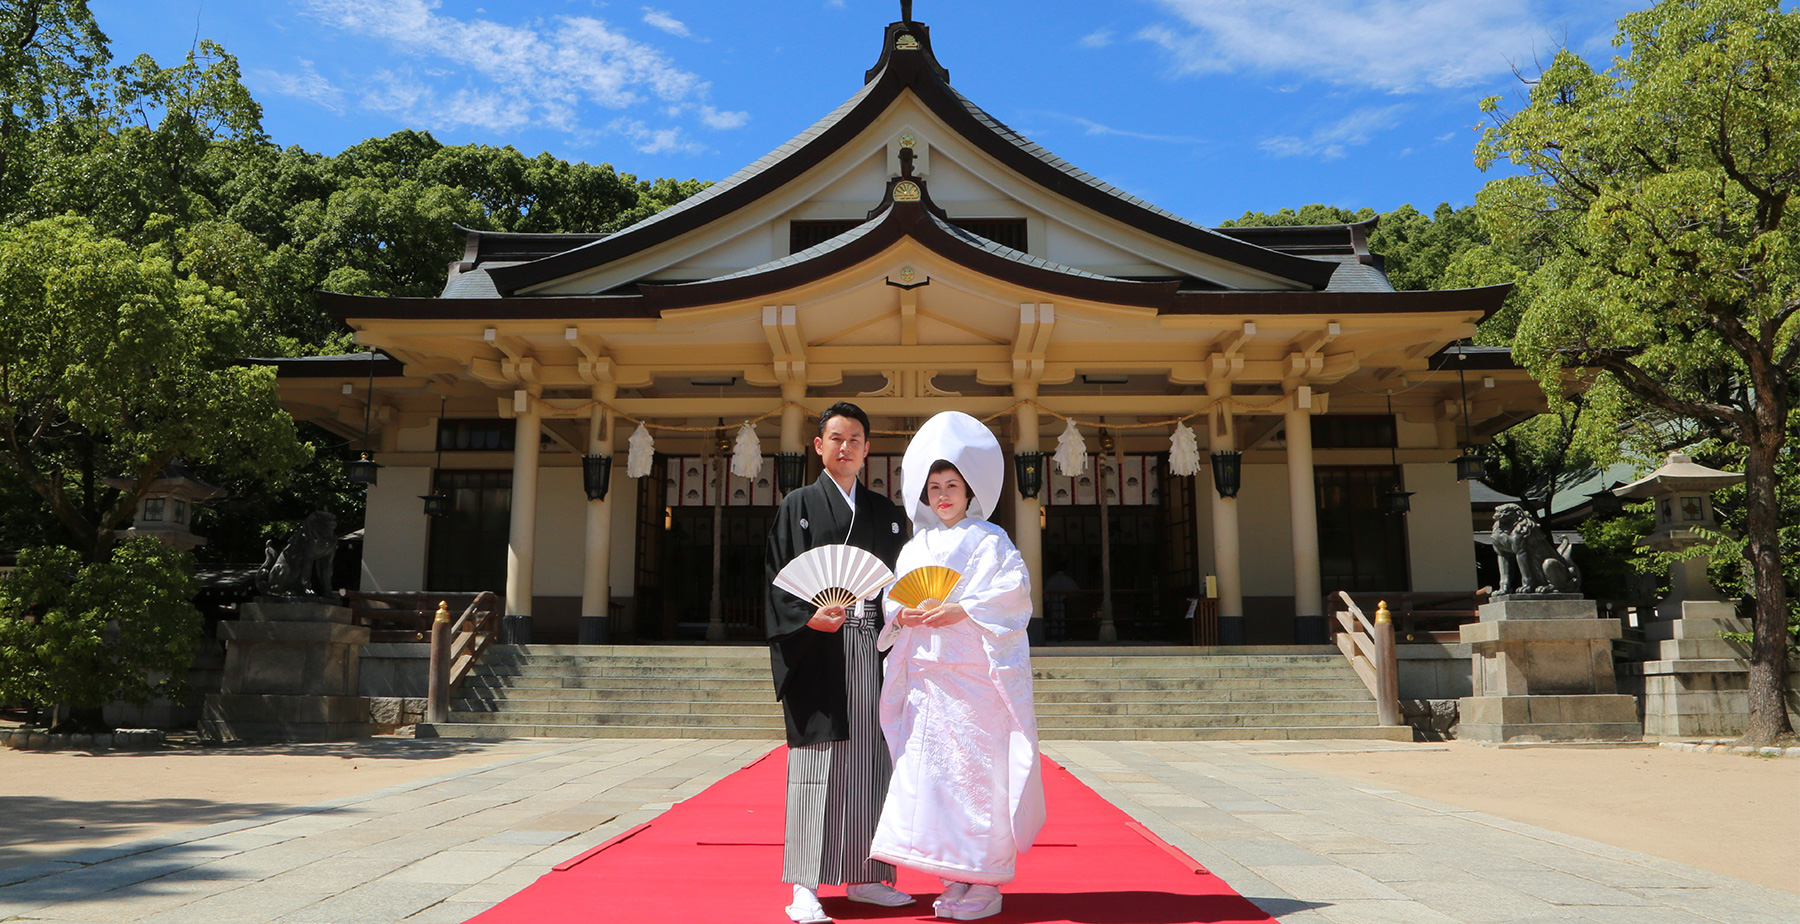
<point x="475" y="283"/>
<point x="920" y="73"/>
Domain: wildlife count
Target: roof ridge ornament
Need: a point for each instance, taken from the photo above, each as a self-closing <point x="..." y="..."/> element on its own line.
<point x="906" y="50"/>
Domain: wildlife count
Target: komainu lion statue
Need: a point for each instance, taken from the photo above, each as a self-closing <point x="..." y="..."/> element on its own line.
<point x="1528" y="563"/>
<point x="303" y="569"/>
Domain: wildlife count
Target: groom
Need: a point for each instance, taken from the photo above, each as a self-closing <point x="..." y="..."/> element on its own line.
<point x="828" y="678"/>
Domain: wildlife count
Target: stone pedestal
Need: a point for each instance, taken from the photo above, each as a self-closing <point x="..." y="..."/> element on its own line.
<point x="1696" y="684"/>
<point x="1541" y="669"/>
<point x="291" y="674"/>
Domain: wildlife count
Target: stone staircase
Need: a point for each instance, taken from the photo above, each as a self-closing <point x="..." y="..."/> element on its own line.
<point x="716" y="691"/>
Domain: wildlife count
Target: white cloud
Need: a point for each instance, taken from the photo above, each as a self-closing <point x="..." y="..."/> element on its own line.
<point x="647" y="140"/>
<point x="308" y="84"/>
<point x="1330" y="142"/>
<point x="539" y="73"/>
<point x="1091" y="127"/>
<point x="1391" y="45"/>
<point x="1097" y="39"/>
<point x="719" y="119"/>
<point x="657" y="19"/>
<point x="402" y="94"/>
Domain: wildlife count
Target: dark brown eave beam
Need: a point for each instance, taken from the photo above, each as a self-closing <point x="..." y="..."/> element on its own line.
<point x="300" y="368"/>
<point x="1486" y="299"/>
<point x="353" y="307"/>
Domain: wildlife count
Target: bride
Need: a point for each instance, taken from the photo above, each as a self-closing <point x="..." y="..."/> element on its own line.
<point x="966" y="797"/>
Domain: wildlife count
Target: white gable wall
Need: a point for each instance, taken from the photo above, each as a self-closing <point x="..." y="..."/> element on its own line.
<point x="1068" y="245"/>
<point x="951" y="183"/>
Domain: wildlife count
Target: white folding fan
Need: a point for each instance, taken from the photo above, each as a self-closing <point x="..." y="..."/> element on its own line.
<point x="834" y="575"/>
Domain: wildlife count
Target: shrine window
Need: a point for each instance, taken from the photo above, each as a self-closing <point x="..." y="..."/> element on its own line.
<point x="1007" y="232"/>
<point x="1353" y="431"/>
<point x="806" y="233"/>
<point x="477" y="435"/>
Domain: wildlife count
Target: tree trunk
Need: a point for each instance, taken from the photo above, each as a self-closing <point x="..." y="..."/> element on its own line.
<point x="1769" y="649"/>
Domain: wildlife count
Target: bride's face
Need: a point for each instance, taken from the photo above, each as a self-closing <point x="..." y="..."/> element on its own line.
<point x="948" y="496"/>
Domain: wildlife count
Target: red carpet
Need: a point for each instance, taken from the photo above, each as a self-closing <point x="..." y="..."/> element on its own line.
<point x="716" y="858"/>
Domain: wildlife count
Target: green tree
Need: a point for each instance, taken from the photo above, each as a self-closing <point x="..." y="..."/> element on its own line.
<point x="111" y="365"/>
<point x="50" y="51"/>
<point x="1536" y="459"/>
<point x="83" y="635"/>
<point x="1658" y="193"/>
<point x="1314" y="214"/>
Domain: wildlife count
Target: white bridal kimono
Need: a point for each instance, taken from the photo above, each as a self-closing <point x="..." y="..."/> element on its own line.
<point x="966" y="796"/>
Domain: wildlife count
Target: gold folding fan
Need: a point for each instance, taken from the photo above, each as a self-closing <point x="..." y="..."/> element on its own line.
<point x="931" y="582"/>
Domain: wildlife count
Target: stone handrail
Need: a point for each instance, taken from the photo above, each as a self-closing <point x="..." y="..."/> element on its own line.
<point x="456" y="647"/>
<point x="1369" y="647"/>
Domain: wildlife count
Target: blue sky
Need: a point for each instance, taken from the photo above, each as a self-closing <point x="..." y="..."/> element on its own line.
<point x="1205" y="107"/>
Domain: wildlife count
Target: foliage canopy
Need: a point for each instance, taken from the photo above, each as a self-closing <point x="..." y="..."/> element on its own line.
<point x="1656" y="198"/>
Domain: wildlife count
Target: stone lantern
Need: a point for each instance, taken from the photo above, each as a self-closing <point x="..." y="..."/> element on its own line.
<point x="1682" y="492"/>
<point x="1694" y="681"/>
<point x="166" y="511"/>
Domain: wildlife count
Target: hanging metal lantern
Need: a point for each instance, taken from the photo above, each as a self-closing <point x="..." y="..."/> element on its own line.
<point x="1029" y="467"/>
<point x="1397" y="501"/>
<point x="596" y="475"/>
<point x="1471" y="465"/>
<point x="362" y="471"/>
<point x="437" y="504"/>
<point x="1228" y="472"/>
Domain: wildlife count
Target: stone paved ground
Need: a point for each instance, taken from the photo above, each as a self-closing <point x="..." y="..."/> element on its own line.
<point x="1305" y="846"/>
<point x="1310" y="847"/>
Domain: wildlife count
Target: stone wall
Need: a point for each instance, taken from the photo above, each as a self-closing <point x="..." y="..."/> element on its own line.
<point x="390" y="669"/>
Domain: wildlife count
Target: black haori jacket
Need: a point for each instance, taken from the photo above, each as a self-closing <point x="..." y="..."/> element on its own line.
<point x="808" y="664"/>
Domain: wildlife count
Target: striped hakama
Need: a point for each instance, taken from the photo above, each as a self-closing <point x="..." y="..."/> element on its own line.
<point x="836" y="788"/>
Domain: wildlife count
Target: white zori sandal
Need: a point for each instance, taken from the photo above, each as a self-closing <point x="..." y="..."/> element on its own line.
<point x="878" y="893"/>
<point x="952" y="892"/>
<point x="979" y="902"/>
<point x="806" y="908"/>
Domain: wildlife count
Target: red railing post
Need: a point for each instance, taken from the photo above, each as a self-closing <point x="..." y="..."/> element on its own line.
<point x="437" y="690"/>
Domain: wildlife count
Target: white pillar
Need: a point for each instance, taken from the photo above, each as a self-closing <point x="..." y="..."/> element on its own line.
<point x="1028" y="534"/>
<point x="1226" y="543"/>
<point x="521" y="543"/>
<point x="596" y="590"/>
<point x="1303" y="508"/>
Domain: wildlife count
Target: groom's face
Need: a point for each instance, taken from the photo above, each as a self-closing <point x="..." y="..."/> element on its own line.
<point x="843" y="447"/>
